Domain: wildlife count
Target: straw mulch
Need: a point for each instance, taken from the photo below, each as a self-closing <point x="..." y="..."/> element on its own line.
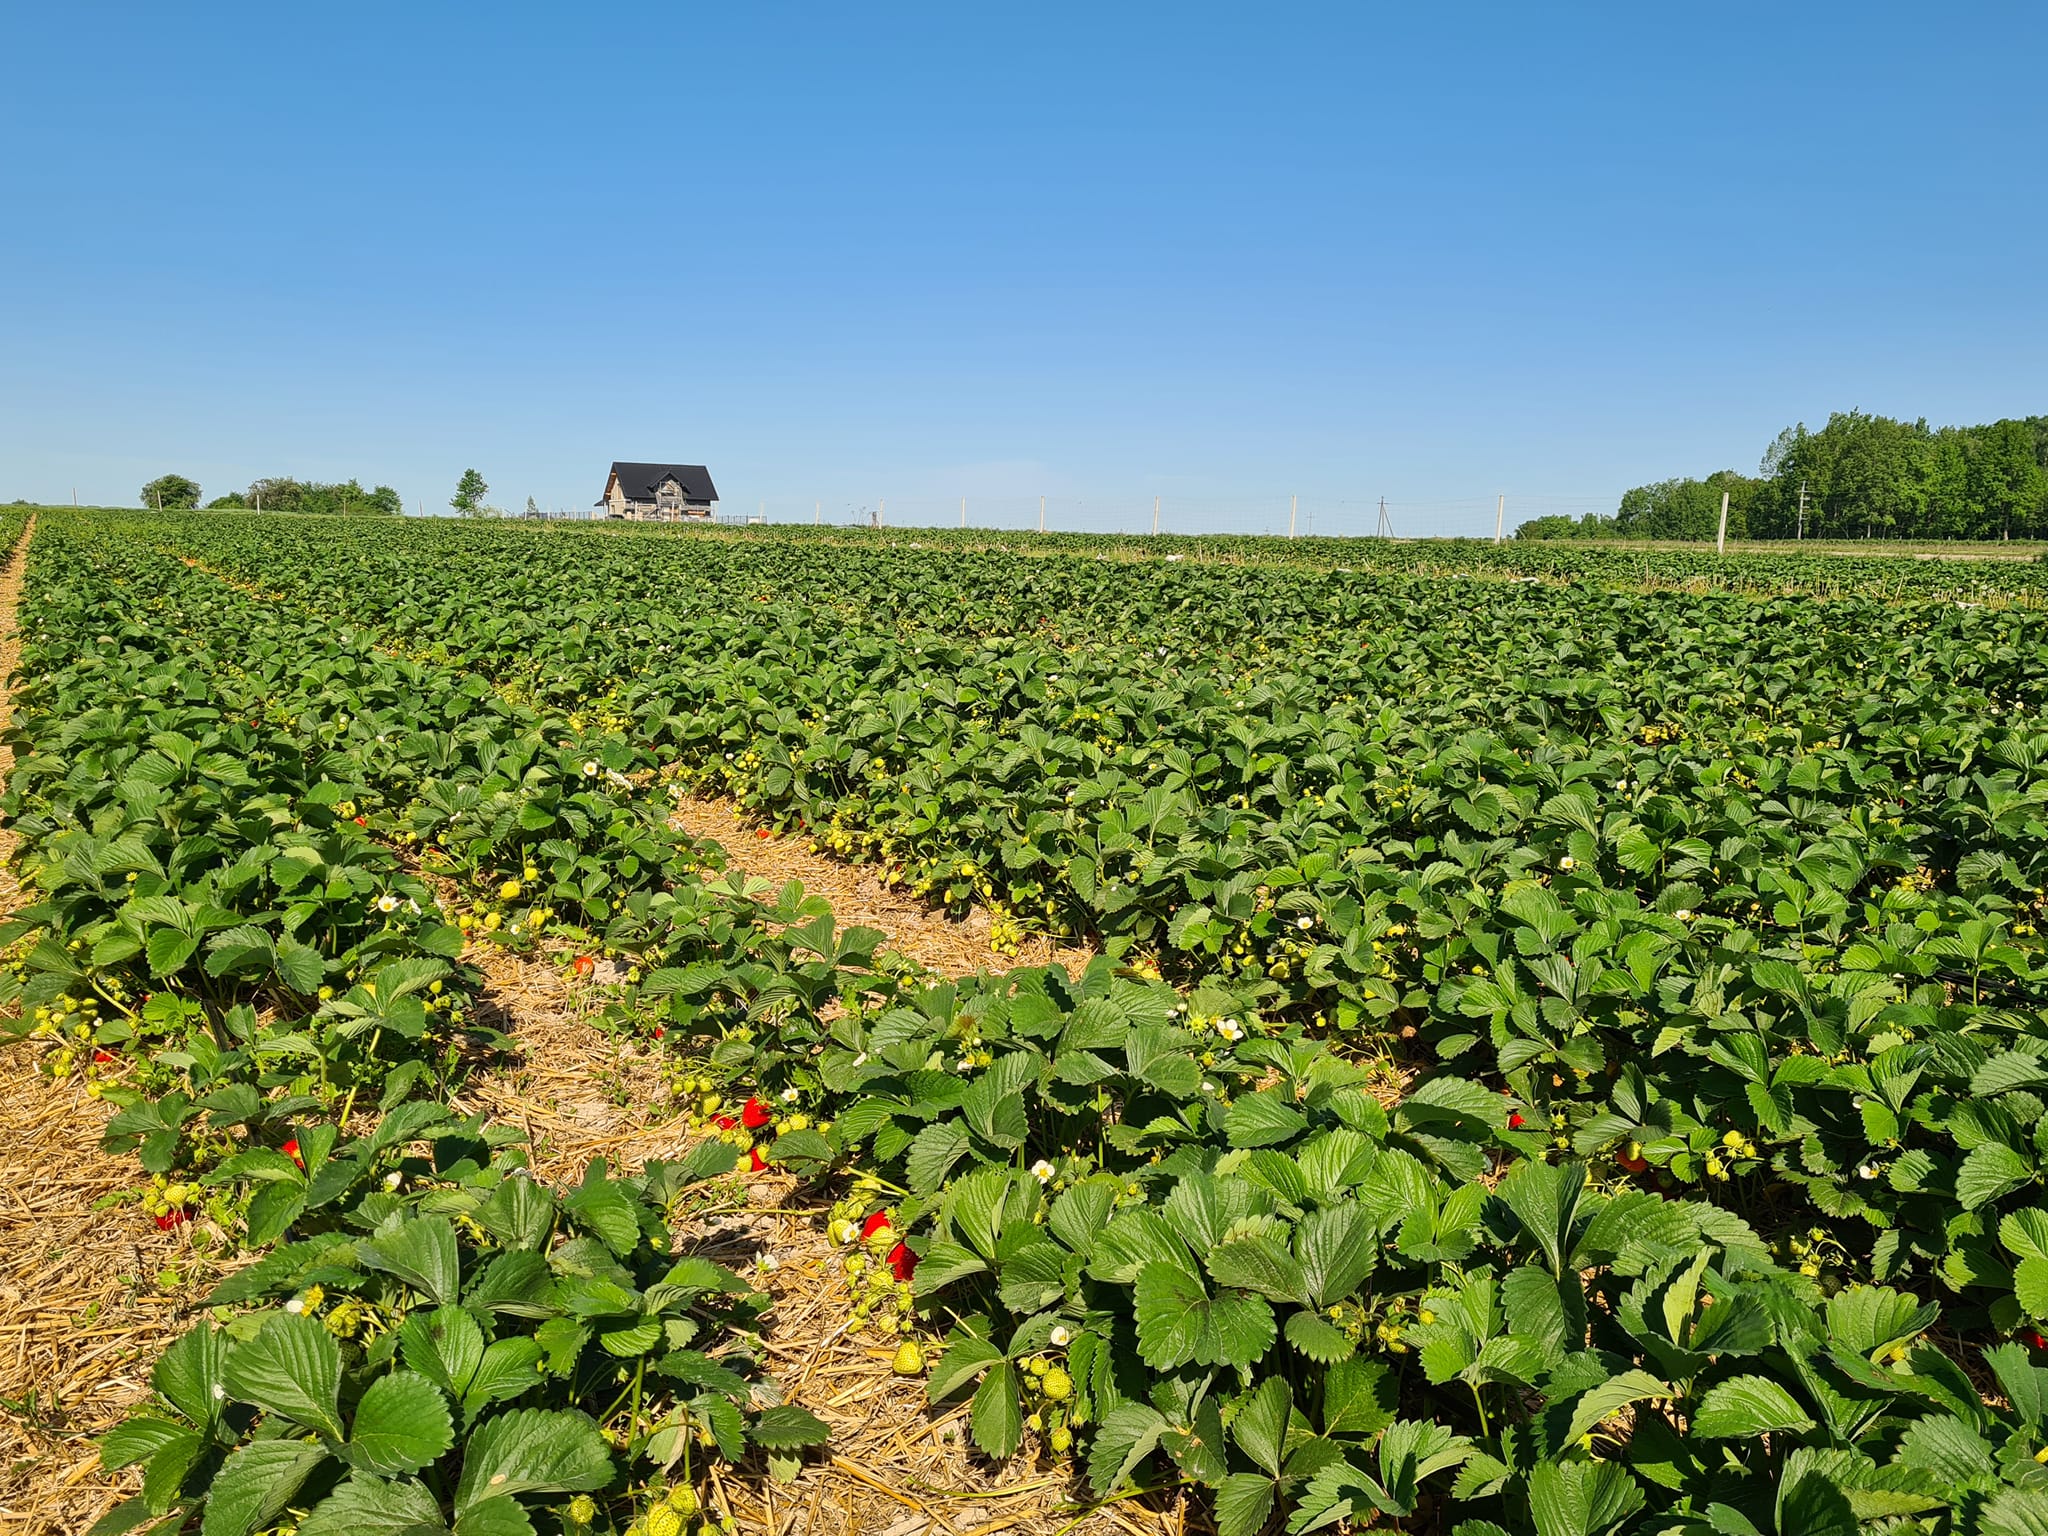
<point x="894" y="1467"/>
<point x="917" y="930"/>
<point x="577" y="1092"/>
<point x="87" y="1301"/>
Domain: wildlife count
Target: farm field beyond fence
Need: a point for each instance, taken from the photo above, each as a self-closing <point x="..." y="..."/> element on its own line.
<point x="1453" y="1038"/>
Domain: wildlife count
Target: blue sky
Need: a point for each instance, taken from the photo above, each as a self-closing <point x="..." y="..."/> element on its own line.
<point x="903" y="254"/>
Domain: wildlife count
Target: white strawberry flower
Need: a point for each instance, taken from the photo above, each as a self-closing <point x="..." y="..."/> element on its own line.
<point x="1230" y="1029"/>
<point x="387" y="903"/>
<point x="789" y="1095"/>
<point x="1304" y="923"/>
<point x="1060" y="1338"/>
<point x="591" y="768"/>
<point x="393" y="1179"/>
<point x="1042" y="1171"/>
<point x="295" y="1305"/>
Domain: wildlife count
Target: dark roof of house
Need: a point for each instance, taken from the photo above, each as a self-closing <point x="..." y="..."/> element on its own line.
<point x="639" y="481"/>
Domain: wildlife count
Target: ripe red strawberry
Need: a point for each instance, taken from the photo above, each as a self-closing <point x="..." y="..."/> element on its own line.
<point x="1515" y="1121"/>
<point x="176" y="1216"/>
<point x="583" y="965"/>
<point x="754" y="1114"/>
<point x="102" y="1055"/>
<point x="725" y="1122"/>
<point x="1634" y="1164"/>
<point x="659" y="1032"/>
<point x="764" y="832"/>
<point x="902" y="1262"/>
<point x="755" y="1161"/>
<point x="874" y="1224"/>
<point x="2033" y="1337"/>
<point x="291" y="1150"/>
<point x="362" y="821"/>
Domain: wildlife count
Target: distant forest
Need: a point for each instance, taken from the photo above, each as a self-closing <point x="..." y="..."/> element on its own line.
<point x="1865" y="477"/>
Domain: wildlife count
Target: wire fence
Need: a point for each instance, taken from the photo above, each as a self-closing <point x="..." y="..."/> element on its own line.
<point x="1272" y="514"/>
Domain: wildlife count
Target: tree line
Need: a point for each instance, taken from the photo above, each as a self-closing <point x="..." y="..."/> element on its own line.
<point x="279" y="493"/>
<point x="1859" y="477"/>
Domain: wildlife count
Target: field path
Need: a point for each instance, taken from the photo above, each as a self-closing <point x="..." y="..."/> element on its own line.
<point x="82" y="1312"/>
<point x="917" y="930"/>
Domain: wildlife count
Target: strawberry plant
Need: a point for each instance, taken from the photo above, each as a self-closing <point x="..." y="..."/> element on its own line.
<point x="1544" y="1051"/>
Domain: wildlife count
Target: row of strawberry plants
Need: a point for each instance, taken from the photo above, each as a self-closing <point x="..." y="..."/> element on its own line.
<point x="1162" y="1097"/>
<point x="1216" y="1246"/>
<point x="219" y="944"/>
<point x="1743" y="933"/>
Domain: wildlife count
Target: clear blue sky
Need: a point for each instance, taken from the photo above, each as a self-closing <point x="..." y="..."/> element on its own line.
<point x="1096" y="252"/>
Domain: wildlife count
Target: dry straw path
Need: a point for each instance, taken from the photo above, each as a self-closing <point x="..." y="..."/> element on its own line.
<point x="917" y="930"/>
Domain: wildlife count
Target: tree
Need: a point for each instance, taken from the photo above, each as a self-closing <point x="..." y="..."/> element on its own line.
<point x="532" y="508"/>
<point x="281" y="493"/>
<point x="2006" y="480"/>
<point x="171" y="491"/>
<point x="469" y="495"/>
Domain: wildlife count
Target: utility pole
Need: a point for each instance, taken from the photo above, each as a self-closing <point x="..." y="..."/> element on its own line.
<point x="1500" y="517"/>
<point x="1155" y="515"/>
<point x="1802" y="509"/>
<point x="1721" y="538"/>
<point x="881" y="513"/>
<point x="74" y="497"/>
<point x="963" y="511"/>
<point x="1041" y="514"/>
<point x="1386" y="528"/>
<point x="1293" y="506"/>
<point x="817" y="513"/>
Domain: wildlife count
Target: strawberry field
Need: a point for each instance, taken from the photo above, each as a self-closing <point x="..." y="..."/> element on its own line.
<point x="1567" y="1051"/>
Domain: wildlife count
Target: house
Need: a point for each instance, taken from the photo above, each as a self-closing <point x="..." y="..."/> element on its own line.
<point x="659" y="493"/>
